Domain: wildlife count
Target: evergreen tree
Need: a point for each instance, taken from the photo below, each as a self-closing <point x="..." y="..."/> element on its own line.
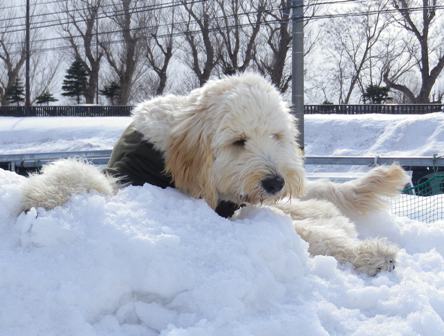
<point x="45" y="98"/>
<point x="16" y="93"/>
<point x="376" y="94"/>
<point x="74" y="84"/>
<point x="327" y="106"/>
<point x="111" y="91"/>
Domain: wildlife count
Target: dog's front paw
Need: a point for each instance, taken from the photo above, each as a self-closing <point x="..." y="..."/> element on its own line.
<point x="374" y="256"/>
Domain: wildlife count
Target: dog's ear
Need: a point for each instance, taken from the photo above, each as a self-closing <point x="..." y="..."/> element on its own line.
<point x="189" y="158"/>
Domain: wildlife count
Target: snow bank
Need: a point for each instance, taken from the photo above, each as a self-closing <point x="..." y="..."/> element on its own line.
<point x="374" y="134"/>
<point x="156" y="262"/>
<point x="54" y="134"/>
<point x="367" y="134"/>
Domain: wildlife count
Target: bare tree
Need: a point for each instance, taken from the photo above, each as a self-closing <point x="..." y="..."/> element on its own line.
<point x="424" y="48"/>
<point x="159" y="50"/>
<point x="12" y="55"/>
<point x="273" y="61"/>
<point x="200" y="38"/>
<point x="80" y="26"/>
<point x="351" y="43"/>
<point x="392" y="57"/>
<point x="44" y="69"/>
<point x="238" y="29"/>
<point x="128" y="20"/>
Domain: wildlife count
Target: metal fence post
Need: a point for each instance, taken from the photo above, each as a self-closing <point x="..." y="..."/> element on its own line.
<point x="297" y="73"/>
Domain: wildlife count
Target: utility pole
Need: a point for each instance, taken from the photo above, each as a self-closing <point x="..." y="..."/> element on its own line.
<point x="97" y="53"/>
<point x="297" y="67"/>
<point x="28" y="55"/>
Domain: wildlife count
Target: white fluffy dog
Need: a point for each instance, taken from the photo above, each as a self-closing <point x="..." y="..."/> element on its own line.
<point x="233" y="140"/>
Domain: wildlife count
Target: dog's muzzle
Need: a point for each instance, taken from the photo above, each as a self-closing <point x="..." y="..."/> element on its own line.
<point x="272" y="184"/>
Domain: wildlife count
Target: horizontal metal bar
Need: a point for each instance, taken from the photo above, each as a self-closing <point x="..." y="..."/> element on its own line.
<point x="334" y="176"/>
<point x="418" y="161"/>
<point x="53" y="155"/>
<point x="39" y="163"/>
<point x="102" y="156"/>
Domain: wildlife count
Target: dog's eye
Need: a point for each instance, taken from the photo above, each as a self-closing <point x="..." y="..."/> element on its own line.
<point x="240" y="143"/>
<point x="276" y="136"/>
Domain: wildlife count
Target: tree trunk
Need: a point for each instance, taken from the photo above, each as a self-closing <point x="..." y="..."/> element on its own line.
<point x="90" y="92"/>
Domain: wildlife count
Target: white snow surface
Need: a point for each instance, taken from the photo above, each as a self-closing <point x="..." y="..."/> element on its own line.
<point x="375" y="134"/>
<point x="149" y="261"/>
<point x="367" y="134"/>
<point x="59" y="134"/>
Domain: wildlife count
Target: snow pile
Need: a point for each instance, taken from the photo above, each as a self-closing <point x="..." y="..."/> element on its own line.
<point x="59" y="134"/>
<point x="374" y="134"/>
<point x="367" y="134"/>
<point x="156" y="262"/>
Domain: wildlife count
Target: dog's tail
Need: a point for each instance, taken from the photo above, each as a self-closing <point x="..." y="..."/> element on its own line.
<point x="59" y="180"/>
<point x="362" y="195"/>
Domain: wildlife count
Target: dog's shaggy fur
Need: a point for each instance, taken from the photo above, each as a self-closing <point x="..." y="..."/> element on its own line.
<point x="221" y="143"/>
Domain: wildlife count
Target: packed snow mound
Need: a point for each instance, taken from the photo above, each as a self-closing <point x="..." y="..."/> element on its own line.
<point x="149" y="261"/>
<point x="59" y="134"/>
<point x="374" y="134"/>
<point x="332" y="134"/>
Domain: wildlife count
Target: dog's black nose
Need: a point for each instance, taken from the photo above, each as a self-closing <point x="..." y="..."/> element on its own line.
<point x="272" y="184"/>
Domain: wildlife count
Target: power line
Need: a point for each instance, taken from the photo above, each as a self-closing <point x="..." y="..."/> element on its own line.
<point x="135" y="28"/>
<point x="63" y="47"/>
<point x="374" y="12"/>
<point x="122" y="12"/>
<point x="24" y="5"/>
<point x="172" y="4"/>
<point x="160" y="25"/>
<point x="226" y="27"/>
<point x="303" y="18"/>
<point x="79" y="10"/>
<point x="137" y="8"/>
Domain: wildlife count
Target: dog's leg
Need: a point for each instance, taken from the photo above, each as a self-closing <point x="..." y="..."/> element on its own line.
<point x="368" y="256"/>
<point x="362" y="195"/>
<point x="319" y="213"/>
<point x="62" y="179"/>
<point x="329" y="233"/>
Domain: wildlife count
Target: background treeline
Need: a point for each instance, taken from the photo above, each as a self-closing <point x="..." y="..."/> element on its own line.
<point x="121" y="51"/>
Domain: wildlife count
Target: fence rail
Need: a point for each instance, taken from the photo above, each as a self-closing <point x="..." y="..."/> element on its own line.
<point x="123" y="111"/>
<point x="414" y="161"/>
<point x="374" y="108"/>
<point x="35" y="160"/>
<point x="65" y="111"/>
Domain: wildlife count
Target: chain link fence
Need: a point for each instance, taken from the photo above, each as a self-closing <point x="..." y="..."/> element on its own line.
<point x="424" y="201"/>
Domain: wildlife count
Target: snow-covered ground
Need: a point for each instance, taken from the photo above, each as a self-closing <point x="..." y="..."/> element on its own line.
<point x="149" y="261"/>
<point x="375" y="134"/>
<point x="370" y="134"/>
<point x="38" y="135"/>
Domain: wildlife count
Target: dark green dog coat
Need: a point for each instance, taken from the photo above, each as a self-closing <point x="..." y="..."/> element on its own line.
<point x="135" y="161"/>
